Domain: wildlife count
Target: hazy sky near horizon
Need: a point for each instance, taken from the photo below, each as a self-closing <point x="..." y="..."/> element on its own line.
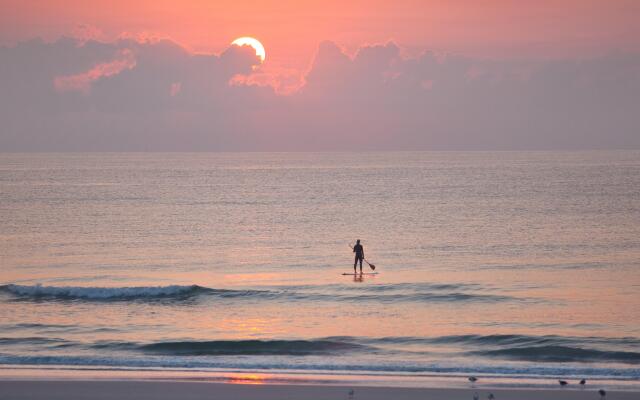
<point x="375" y="75"/>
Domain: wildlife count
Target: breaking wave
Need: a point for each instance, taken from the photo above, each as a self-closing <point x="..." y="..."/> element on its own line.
<point x="438" y="293"/>
<point x="100" y="293"/>
<point x="562" y="354"/>
<point x="250" y="347"/>
<point x="327" y="364"/>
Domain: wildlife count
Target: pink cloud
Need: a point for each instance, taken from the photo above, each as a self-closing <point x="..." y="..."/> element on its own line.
<point x="82" y="82"/>
<point x="284" y="81"/>
<point x="144" y="37"/>
<point x="374" y="98"/>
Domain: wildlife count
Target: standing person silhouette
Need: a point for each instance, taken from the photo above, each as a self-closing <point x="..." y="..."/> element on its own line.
<point x="359" y="250"/>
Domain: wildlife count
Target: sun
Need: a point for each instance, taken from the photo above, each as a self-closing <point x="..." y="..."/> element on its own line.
<point x="257" y="46"/>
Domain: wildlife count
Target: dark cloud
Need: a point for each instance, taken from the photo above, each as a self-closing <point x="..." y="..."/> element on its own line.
<point x="155" y="95"/>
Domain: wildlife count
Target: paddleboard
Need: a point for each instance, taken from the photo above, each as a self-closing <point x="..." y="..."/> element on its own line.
<point x="363" y="273"/>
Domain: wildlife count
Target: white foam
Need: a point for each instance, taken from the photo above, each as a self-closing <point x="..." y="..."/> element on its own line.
<point x="98" y="293"/>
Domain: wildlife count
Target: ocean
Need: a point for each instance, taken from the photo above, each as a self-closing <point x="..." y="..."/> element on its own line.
<point x="520" y="268"/>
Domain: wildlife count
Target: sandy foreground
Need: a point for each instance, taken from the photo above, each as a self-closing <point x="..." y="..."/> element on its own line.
<point x="159" y="390"/>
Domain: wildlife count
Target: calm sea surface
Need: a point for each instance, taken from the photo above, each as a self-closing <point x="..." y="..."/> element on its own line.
<point x="505" y="265"/>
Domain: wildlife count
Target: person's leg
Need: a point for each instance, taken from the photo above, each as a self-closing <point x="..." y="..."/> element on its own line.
<point x="355" y="262"/>
<point x="361" y="264"/>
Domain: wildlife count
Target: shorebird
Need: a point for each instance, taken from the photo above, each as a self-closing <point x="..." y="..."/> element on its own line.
<point x="473" y="379"/>
<point x="563" y="383"/>
<point x="583" y="382"/>
<point x="602" y="393"/>
<point x="352" y="394"/>
<point x="491" y="396"/>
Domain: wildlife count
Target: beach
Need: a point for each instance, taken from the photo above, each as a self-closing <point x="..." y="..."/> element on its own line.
<point x="140" y="390"/>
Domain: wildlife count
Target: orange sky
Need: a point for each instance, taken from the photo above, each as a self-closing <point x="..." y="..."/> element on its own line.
<point x="291" y="30"/>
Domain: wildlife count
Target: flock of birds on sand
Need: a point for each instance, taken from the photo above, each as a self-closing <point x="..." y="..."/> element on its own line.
<point x="563" y="383"/>
<point x="491" y="396"/>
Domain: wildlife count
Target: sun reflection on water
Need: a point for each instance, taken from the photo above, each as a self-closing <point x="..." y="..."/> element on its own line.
<point x="248" y="379"/>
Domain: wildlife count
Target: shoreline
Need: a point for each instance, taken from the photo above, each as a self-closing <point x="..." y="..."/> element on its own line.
<point x="168" y="390"/>
<point x="16" y="373"/>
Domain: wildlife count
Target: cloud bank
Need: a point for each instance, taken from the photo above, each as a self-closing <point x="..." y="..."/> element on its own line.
<point x="154" y="95"/>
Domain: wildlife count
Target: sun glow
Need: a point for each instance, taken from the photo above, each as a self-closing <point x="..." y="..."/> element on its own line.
<point x="248" y="379"/>
<point x="257" y="46"/>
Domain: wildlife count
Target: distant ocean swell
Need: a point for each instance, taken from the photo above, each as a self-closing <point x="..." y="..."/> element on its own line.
<point x="424" y="293"/>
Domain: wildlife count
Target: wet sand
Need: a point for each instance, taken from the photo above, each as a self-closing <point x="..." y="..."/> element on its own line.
<point x="161" y="390"/>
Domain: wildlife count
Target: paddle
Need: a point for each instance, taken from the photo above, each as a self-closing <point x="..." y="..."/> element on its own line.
<point x="373" y="267"/>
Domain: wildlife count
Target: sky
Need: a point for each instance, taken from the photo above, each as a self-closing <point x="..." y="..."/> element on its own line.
<point x="359" y="75"/>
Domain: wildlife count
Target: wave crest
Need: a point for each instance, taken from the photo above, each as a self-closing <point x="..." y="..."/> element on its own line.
<point x="250" y="347"/>
<point x="441" y="293"/>
<point x="100" y="293"/>
<point x="561" y="354"/>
